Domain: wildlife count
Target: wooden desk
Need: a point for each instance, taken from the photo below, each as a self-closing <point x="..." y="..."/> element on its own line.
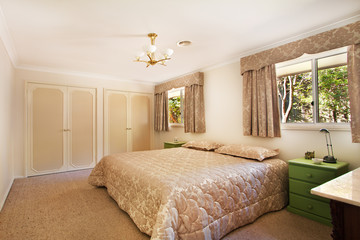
<point x="344" y="193"/>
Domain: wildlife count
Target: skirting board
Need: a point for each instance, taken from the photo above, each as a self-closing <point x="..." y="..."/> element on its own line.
<point x="3" y="198"/>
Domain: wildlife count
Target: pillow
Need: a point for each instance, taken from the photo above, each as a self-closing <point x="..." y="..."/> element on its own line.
<point x="245" y="151"/>
<point x="203" y="145"/>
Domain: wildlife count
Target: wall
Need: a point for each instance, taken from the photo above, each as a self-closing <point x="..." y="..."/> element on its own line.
<point x="25" y="76"/>
<point x="8" y="122"/>
<point x="223" y="111"/>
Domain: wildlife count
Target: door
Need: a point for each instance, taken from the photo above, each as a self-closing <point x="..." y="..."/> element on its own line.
<point x="60" y="128"/>
<point x="81" y="131"/>
<point x="47" y="120"/>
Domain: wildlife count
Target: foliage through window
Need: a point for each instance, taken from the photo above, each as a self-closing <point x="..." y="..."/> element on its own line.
<point x="314" y="91"/>
<point x="176" y="106"/>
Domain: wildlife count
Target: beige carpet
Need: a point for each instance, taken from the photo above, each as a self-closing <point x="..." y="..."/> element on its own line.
<point x="64" y="206"/>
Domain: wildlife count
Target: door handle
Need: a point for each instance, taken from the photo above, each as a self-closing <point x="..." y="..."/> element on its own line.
<point x="128" y="128"/>
<point x="66" y="130"/>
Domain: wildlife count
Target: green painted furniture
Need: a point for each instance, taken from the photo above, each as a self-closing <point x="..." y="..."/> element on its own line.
<point x="305" y="175"/>
<point x="173" y="144"/>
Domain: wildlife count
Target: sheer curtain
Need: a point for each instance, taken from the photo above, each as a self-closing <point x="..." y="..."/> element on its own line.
<point x="194" y="114"/>
<point x="161" y="111"/>
<point x="260" y="103"/>
<point x="354" y="90"/>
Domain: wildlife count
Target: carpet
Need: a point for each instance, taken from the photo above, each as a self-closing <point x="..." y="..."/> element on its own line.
<point x="64" y="206"/>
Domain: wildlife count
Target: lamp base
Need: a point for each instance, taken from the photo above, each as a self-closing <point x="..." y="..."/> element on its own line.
<point x="329" y="159"/>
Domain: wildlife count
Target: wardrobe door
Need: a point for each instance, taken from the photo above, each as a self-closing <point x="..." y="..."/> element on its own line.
<point x="81" y="131"/>
<point x="46" y="124"/>
<point x="115" y="122"/>
<point x="140" y="122"/>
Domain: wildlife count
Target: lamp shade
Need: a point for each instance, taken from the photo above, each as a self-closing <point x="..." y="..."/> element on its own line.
<point x="169" y="52"/>
<point x="149" y="48"/>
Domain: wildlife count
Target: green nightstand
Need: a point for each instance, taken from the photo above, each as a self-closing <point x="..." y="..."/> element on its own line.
<point x="173" y="144"/>
<point x="305" y="175"/>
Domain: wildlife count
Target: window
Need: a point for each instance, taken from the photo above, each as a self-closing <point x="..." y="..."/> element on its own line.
<point x="176" y="106"/>
<point x="314" y="88"/>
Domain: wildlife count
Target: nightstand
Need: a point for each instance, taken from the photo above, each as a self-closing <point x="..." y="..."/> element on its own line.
<point x="173" y="144"/>
<point x="305" y="175"/>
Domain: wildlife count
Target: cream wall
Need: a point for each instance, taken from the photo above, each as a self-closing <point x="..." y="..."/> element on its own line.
<point x="223" y="111"/>
<point x="25" y="76"/>
<point x="8" y="122"/>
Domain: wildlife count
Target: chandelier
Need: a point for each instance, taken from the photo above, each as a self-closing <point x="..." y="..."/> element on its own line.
<point x="150" y="52"/>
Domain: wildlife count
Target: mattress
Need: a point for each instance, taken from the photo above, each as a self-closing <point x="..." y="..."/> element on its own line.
<point x="182" y="193"/>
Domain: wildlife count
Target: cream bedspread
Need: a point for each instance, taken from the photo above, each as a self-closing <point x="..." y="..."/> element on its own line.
<point x="182" y="193"/>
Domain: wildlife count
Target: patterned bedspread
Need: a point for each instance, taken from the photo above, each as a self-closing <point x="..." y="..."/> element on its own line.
<point x="183" y="193"/>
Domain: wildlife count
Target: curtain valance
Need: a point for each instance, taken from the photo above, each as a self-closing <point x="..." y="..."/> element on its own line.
<point x="186" y="81"/>
<point x="336" y="38"/>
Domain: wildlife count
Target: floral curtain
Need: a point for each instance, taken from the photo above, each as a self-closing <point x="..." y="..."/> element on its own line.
<point x="260" y="103"/>
<point x="161" y="111"/>
<point x="251" y="65"/>
<point x="354" y="90"/>
<point x="194" y="112"/>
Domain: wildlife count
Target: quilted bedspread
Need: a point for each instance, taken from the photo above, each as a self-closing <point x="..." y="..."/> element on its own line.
<point x="183" y="193"/>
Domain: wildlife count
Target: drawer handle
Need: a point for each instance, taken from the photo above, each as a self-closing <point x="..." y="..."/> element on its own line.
<point x="310" y="206"/>
<point x="309" y="175"/>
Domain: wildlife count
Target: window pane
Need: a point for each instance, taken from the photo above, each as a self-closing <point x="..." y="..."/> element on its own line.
<point x="295" y="93"/>
<point x="175" y="106"/>
<point x="333" y="90"/>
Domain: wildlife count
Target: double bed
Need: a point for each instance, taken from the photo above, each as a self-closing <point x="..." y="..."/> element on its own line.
<point x="186" y="193"/>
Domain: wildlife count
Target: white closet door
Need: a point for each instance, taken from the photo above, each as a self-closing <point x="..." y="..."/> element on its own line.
<point x="46" y="124"/>
<point x="127" y="122"/>
<point x="81" y="131"/>
<point x="115" y="122"/>
<point x="61" y="128"/>
<point x="140" y="122"/>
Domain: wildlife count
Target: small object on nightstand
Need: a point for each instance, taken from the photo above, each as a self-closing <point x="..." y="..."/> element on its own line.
<point x="317" y="160"/>
<point x="309" y="155"/>
<point x="173" y="144"/>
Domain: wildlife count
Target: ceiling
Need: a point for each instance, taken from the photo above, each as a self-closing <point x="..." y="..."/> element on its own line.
<point x="102" y="37"/>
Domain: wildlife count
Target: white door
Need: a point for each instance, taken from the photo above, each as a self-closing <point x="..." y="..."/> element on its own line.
<point x="127" y="121"/>
<point x="60" y="128"/>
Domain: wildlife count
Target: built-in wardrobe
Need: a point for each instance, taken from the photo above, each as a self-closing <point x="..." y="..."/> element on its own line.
<point x="61" y="128"/>
<point x="127" y="121"/>
<point x="62" y="132"/>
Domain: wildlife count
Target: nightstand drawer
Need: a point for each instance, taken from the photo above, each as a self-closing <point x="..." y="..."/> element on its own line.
<point x="310" y="174"/>
<point x="303" y="188"/>
<point x="310" y="205"/>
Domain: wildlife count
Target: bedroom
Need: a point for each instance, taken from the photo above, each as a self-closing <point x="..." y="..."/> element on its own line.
<point x="222" y="81"/>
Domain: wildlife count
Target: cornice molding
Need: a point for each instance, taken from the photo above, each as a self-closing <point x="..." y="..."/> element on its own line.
<point x="7" y="40"/>
<point x="80" y="74"/>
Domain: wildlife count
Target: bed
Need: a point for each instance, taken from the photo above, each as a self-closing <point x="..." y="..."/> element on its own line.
<point x="185" y="193"/>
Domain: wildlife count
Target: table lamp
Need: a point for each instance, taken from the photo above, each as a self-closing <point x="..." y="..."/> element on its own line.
<point x="329" y="158"/>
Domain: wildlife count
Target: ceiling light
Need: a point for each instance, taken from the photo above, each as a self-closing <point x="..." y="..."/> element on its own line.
<point x="150" y="52"/>
<point x="184" y="43"/>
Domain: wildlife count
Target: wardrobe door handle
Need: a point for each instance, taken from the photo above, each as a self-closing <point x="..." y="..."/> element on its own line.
<point x="309" y="175"/>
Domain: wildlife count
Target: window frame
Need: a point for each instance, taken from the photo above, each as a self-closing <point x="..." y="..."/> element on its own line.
<point x="182" y="103"/>
<point x="315" y="125"/>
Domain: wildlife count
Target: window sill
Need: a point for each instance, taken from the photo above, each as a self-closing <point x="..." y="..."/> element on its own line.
<point x="176" y="125"/>
<point x="316" y="126"/>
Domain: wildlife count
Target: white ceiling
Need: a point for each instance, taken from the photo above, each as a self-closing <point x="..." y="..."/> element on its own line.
<point x="101" y="37"/>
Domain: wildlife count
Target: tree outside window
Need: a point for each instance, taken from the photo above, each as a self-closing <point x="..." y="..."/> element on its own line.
<point x="176" y="103"/>
<point x="314" y="91"/>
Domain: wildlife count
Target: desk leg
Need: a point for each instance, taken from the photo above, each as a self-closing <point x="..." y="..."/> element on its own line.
<point x="345" y="220"/>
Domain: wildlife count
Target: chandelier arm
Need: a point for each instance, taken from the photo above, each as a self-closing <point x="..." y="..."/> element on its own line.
<point x="161" y="60"/>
